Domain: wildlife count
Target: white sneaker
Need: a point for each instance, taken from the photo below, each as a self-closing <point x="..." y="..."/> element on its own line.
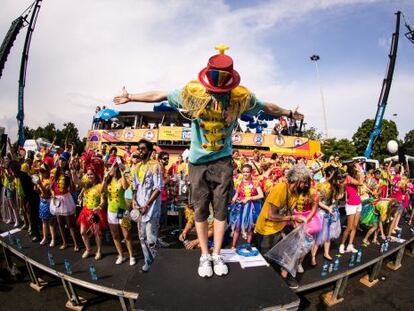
<point x="300" y="269"/>
<point x="132" y="261"/>
<point x="52" y="243"/>
<point x="119" y="260"/>
<point x="351" y="248"/>
<point x="85" y="254"/>
<point x="204" y="268"/>
<point x="43" y="241"/>
<point x="220" y="268"/>
<point x="342" y="249"/>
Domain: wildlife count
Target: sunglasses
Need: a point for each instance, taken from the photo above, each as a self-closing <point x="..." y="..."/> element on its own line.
<point x="165" y="159"/>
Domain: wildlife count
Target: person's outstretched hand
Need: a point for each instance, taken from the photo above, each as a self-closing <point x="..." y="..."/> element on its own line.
<point x="296" y="115"/>
<point x="123" y="98"/>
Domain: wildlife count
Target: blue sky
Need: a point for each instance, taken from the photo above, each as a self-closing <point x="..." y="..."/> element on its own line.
<point x="82" y="54"/>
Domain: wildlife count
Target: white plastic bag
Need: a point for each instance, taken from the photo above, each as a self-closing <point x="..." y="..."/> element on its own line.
<point x="288" y="252"/>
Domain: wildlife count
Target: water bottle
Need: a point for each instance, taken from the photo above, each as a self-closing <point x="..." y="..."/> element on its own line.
<point x="92" y="270"/>
<point x="399" y="235"/>
<point x="336" y="264"/>
<point x="330" y="268"/>
<point x="382" y="248"/>
<point x="68" y="267"/>
<point x="19" y="243"/>
<point x="386" y="246"/>
<point x="51" y="259"/>
<point x="324" y="269"/>
<point x="359" y="256"/>
<point x="352" y="260"/>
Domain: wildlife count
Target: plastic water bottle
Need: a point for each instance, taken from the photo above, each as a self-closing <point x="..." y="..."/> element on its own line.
<point x="399" y="235"/>
<point x="92" y="270"/>
<point x="51" y="259"/>
<point x="386" y="246"/>
<point x="324" y="269"/>
<point x="336" y="264"/>
<point x="382" y="247"/>
<point x="330" y="268"/>
<point x="18" y="243"/>
<point x="352" y="260"/>
<point x="359" y="256"/>
<point x="68" y="267"/>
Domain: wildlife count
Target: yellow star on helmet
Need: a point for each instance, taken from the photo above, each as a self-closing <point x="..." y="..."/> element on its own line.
<point x="221" y="48"/>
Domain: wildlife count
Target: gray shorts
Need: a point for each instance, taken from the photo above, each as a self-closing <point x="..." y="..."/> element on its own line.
<point x="211" y="183"/>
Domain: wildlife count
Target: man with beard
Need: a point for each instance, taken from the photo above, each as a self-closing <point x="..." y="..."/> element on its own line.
<point x="147" y="184"/>
<point x="214" y="104"/>
<point x="276" y="212"/>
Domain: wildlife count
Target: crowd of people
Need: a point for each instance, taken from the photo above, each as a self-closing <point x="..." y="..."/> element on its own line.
<point x="98" y="191"/>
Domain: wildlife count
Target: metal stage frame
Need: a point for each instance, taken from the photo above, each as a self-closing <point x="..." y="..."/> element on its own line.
<point x="128" y="299"/>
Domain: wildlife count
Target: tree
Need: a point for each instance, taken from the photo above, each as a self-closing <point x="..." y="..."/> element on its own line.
<point x="360" y="139"/>
<point x="344" y="147"/>
<point x="408" y="144"/>
<point x="313" y="133"/>
<point x="69" y="134"/>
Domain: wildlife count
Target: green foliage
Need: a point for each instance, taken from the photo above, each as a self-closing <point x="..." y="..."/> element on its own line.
<point x="389" y="132"/>
<point x="68" y="134"/>
<point x="344" y="147"/>
<point x="409" y="140"/>
<point x="312" y="133"/>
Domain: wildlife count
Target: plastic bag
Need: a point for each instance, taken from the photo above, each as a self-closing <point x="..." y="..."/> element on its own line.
<point x="335" y="225"/>
<point x="289" y="251"/>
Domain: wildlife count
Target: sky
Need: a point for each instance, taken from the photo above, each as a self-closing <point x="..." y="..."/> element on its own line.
<point x="84" y="51"/>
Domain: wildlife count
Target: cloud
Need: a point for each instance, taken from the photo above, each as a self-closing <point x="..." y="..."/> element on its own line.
<point x="82" y="54"/>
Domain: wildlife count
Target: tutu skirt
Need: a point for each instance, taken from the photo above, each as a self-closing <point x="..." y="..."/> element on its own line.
<point x="314" y="225"/>
<point x="244" y="216"/>
<point x="44" y="210"/>
<point x="368" y="216"/>
<point x="62" y="205"/>
<point x="86" y="216"/>
<point x="331" y="226"/>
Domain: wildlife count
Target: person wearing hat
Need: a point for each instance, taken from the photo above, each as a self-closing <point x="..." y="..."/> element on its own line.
<point x="214" y="103"/>
<point x="42" y="186"/>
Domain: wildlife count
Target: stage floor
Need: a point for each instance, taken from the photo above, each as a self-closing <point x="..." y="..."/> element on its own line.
<point x="171" y="284"/>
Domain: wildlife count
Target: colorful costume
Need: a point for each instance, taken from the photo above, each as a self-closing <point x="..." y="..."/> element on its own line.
<point x="244" y="216"/>
<point x="62" y="203"/>
<point x="331" y="223"/>
<point x="44" y="206"/>
<point x="91" y="210"/>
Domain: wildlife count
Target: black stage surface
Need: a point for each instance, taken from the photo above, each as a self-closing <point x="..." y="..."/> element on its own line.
<point x="171" y="284"/>
<point x="181" y="288"/>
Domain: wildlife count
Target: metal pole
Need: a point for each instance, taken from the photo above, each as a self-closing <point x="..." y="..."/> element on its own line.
<point x="23" y="68"/>
<point x="315" y="58"/>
